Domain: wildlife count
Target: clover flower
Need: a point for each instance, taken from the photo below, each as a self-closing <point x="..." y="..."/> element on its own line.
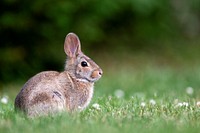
<point x="183" y="104"/>
<point x="143" y="104"/>
<point x="189" y="90"/>
<point x="119" y="93"/>
<point x="152" y="102"/>
<point x="198" y="103"/>
<point x="4" y="99"/>
<point x="96" y="106"/>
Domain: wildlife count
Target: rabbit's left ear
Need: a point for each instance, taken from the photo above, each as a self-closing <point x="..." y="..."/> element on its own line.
<point x="72" y="45"/>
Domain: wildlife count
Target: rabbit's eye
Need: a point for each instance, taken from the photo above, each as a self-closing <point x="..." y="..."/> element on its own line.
<point x="84" y="64"/>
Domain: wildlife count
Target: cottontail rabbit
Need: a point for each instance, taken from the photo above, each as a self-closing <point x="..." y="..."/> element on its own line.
<point x="51" y="92"/>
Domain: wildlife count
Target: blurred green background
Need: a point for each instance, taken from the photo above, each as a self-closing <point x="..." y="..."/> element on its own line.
<point x="114" y="33"/>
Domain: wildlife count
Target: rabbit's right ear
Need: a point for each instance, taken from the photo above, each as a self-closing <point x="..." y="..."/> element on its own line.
<point x="72" y="45"/>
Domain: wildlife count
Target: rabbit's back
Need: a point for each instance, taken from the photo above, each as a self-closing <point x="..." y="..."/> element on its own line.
<point x="42" y="93"/>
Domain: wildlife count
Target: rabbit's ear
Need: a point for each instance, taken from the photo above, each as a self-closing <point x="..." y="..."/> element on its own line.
<point x="72" y="45"/>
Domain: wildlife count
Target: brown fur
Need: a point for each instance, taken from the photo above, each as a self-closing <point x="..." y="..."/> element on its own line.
<point x="51" y="92"/>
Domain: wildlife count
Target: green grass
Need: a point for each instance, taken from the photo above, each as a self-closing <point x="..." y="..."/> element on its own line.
<point x="123" y="112"/>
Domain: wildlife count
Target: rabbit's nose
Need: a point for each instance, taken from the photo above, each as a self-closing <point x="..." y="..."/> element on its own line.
<point x="100" y="72"/>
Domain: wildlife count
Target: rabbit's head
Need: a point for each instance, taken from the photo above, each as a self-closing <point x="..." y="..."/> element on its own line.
<point x="79" y="65"/>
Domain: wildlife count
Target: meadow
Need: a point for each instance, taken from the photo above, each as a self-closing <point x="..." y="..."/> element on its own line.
<point x="146" y="94"/>
<point x="148" y="50"/>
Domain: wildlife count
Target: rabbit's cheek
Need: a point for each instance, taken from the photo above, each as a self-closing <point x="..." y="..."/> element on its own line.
<point x="83" y="72"/>
<point x="78" y="70"/>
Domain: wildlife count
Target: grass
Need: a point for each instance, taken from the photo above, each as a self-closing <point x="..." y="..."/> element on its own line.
<point x="147" y="98"/>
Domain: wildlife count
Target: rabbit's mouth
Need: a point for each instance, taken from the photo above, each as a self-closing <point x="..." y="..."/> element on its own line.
<point x="91" y="80"/>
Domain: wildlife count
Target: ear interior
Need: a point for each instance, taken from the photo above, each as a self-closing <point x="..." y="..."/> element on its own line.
<point x="72" y="45"/>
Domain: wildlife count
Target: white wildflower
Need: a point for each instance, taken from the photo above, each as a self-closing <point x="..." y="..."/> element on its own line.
<point x="4" y="99"/>
<point x="198" y="103"/>
<point x="143" y="104"/>
<point x="180" y="104"/>
<point x="185" y="104"/>
<point x="152" y="102"/>
<point x="189" y="90"/>
<point x="96" y="106"/>
<point x="119" y="93"/>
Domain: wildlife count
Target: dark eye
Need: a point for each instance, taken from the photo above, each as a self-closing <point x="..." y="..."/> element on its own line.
<point x="84" y="64"/>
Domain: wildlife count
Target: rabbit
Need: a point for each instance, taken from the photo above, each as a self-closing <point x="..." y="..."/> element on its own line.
<point x="51" y="92"/>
